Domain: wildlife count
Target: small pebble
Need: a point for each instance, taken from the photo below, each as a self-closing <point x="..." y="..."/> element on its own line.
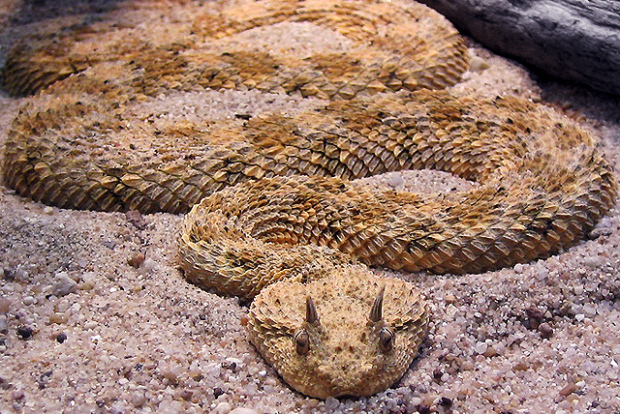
<point x="171" y="371"/>
<point x="241" y="410"/>
<point x="568" y="389"/>
<point x="445" y="402"/>
<point x="535" y="317"/>
<point x="232" y="364"/>
<point x="518" y="268"/>
<point x="136" y="260"/>
<point x="63" y="285"/>
<point x="592" y="262"/>
<point x="424" y="409"/>
<point x="5" y="305"/>
<point x="477" y="64"/>
<point x="542" y="273"/>
<point x="331" y="403"/>
<point x="89" y="280"/>
<point x="58" y="318"/>
<point x="18" y="395"/>
<point x="147" y="267"/>
<point x="468" y="365"/>
<point x="61" y="337"/>
<point x="520" y="366"/>
<point x="110" y="244"/>
<point x="28" y="300"/>
<point x="490" y="352"/>
<point x="217" y="392"/>
<point x="48" y="210"/>
<point x="395" y="180"/>
<point x="546" y="331"/>
<point x="138" y="399"/>
<point x="187" y="395"/>
<point x="4" y="324"/>
<point x="25" y="332"/>
<point x="136" y="218"/>
<point x="437" y="374"/>
<point x="222" y="408"/>
<point x="589" y="310"/>
<point x="450" y="299"/>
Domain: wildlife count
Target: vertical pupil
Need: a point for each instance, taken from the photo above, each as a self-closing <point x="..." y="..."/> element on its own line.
<point x="386" y="339"/>
<point x="302" y="342"/>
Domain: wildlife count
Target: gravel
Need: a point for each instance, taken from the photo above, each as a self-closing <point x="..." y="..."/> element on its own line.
<point x="95" y="316"/>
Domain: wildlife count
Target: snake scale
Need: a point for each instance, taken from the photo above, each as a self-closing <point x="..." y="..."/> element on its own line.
<point x="273" y="213"/>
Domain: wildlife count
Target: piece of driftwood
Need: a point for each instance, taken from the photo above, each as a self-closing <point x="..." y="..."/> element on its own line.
<point x="576" y="40"/>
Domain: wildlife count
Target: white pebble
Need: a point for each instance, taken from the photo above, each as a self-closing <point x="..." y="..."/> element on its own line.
<point x="89" y="279"/>
<point x="518" y="268"/>
<point x="542" y="274"/>
<point x="580" y="317"/>
<point x="90" y="325"/>
<point x="28" y="300"/>
<point x="222" y="408"/>
<point x="593" y="261"/>
<point x="331" y="403"/>
<point x="147" y="267"/>
<point x="170" y="407"/>
<point x="481" y="347"/>
<point x="213" y="370"/>
<point x="138" y="399"/>
<point x="170" y="370"/>
<point x="395" y="180"/>
<point x="589" y="310"/>
<point x="241" y="410"/>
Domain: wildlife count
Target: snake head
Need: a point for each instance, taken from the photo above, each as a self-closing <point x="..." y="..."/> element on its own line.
<point x="349" y="334"/>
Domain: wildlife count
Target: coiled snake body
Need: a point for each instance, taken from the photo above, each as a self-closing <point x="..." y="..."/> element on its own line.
<point x="275" y="216"/>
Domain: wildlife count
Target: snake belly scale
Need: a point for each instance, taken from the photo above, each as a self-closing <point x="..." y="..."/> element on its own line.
<point x="273" y="213"/>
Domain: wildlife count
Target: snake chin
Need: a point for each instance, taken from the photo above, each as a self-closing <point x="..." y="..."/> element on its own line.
<point x="344" y="335"/>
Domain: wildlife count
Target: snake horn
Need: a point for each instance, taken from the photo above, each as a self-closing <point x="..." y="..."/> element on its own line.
<point x="376" y="312"/>
<point x="311" y="314"/>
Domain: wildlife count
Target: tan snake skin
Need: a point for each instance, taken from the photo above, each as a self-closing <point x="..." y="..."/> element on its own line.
<point x="280" y="221"/>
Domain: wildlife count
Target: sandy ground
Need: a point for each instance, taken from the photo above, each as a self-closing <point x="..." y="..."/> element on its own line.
<point x="95" y="317"/>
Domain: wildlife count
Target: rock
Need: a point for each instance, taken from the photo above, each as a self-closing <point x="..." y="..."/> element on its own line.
<point x="136" y="260"/>
<point x="138" y="399"/>
<point x="546" y="331"/>
<point x="25" y="332"/>
<point x="61" y="337"/>
<point x="570" y="39"/>
<point x="4" y="325"/>
<point x="5" y="305"/>
<point x="63" y="285"/>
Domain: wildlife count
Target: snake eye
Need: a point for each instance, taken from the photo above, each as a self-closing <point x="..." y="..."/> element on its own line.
<point x="386" y="339"/>
<point x="302" y="342"/>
